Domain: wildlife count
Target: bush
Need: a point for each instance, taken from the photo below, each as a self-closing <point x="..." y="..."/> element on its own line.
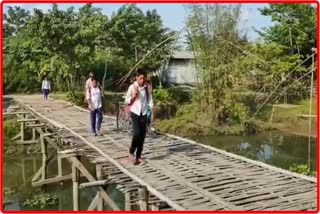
<point x="10" y="128"/>
<point x="162" y="95"/>
<point x="77" y="98"/>
<point x="301" y="169"/>
<point x="8" y="194"/>
<point x="180" y="95"/>
<point x="41" y="201"/>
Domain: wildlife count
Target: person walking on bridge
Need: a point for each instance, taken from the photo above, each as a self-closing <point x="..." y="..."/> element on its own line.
<point x="94" y="99"/>
<point x="88" y="84"/>
<point x="45" y="87"/>
<point x="139" y="99"/>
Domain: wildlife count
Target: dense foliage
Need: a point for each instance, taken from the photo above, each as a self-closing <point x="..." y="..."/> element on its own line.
<point x="66" y="44"/>
<point x="278" y="66"/>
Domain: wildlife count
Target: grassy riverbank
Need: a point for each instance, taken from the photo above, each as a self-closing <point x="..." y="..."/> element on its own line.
<point x="293" y="120"/>
<point x="188" y="121"/>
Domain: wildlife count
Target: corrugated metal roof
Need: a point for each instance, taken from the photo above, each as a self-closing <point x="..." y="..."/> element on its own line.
<point x="182" y="55"/>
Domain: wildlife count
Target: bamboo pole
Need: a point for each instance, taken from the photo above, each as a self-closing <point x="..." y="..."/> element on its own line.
<point x="143" y="198"/>
<point x="155" y="207"/>
<point x="59" y="159"/>
<point x="75" y="185"/>
<point x="44" y="157"/>
<point x="127" y="198"/>
<point x="99" y="177"/>
<point x="310" y="113"/>
<point x="33" y="133"/>
<point x="22" y="131"/>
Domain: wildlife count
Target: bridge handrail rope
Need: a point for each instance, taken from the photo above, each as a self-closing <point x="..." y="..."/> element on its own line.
<point x="174" y="39"/>
<point x="123" y="79"/>
<point x="259" y="108"/>
<point x="154" y="49"/>
<point x="306" y="74"/>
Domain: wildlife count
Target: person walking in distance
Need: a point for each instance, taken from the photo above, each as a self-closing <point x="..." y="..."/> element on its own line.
<point x="94" y="99"/>
<point x="140" y="102"/>
<point x="88" y="84"/>
<point x="45" y="88"/>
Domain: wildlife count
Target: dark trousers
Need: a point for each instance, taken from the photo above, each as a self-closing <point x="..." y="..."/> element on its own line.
<point x="45" y="93"/>
<point x="96" y="125"/>
<point x="139" y="125"/>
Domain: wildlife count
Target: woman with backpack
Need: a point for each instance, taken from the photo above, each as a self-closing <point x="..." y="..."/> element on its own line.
<point x="94" y="98"/>
<point x="140" y="103"/>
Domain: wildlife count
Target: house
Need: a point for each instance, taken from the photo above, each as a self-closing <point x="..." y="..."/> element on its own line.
<point x="180" y="69"/>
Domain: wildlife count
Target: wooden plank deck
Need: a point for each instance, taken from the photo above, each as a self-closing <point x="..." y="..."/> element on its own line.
<point x="180" y="172"/>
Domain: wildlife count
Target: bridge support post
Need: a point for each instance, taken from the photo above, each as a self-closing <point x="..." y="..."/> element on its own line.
<point x="44" y="157"/>
<point x="143" y="198"/>
<point x="75" y="185"/>
<point x="59" y="160"/>
<point x="22" y="132"/>
<point x="34" y="135"/>
<point x="99" y="177"/>
<point x="155" y="207"/>
<point x="127" y="199"/>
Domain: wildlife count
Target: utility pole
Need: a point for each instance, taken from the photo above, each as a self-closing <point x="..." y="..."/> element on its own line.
<point x="314" y="50"/>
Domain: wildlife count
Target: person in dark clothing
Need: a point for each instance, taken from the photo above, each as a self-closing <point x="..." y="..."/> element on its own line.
<point x="140" y="103"/>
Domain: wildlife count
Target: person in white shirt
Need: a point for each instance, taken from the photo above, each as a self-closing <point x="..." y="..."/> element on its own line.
<point x="88" y="84"/>
<point x="140" y="102"/>
<point x="94" y="99"/>
<point x="45" y="88"/>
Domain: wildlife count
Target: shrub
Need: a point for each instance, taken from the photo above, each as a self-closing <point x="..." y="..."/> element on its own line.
<point x="10" y="128"/>
<point x="162" y="95"/>
<point x="41" y="201"/>
<point x="7" y="195"/>
<point x="180" y="95"/>
<point x="301" y="169"/>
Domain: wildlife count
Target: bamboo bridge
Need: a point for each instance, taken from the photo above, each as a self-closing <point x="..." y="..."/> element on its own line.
<point x="179" y="174"/>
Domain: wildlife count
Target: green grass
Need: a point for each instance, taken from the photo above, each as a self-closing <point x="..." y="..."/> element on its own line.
<point x="288" y="118"/>
<point x="291" y="114"/>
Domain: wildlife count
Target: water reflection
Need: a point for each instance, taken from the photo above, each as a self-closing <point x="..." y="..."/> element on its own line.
<point x="274" y="148"/>
<point x="20" y="170"/>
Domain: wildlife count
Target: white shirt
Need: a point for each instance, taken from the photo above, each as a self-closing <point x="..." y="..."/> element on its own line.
<point x="95" y="95"/>
<point x="88" y="83"/>
<point x="140" y="105"/>
<point x="45" y="84"/>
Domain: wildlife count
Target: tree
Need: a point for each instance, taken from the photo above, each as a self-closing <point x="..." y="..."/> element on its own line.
<point x="214" y="36"/>
<point x="289" y="40"/>
<point x="66" y="44"/>
<point x="294" y="27"/>
<point x="134" y="33"/>
<point x="71" y="39"/>
<point x="14" y="20"/>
